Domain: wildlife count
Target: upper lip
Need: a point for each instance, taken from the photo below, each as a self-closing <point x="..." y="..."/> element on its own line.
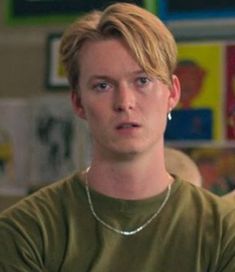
<point x="127" y="124"/>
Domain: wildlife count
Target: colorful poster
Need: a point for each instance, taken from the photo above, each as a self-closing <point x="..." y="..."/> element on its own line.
<point x="230" y="92"/>
<point x="199" y="71"/>
<point x="216" y="165"/>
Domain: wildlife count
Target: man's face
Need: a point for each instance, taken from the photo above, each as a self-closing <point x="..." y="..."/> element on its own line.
<point x="125" y="108"/>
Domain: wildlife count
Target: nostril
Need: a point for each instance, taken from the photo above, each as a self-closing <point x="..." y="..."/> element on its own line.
<point x="122" y="104"/>
<point x="119" y="108"/>
<point x="124" y="107"/>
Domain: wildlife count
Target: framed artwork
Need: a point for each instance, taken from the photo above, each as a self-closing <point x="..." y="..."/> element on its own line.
<point x="55" y="74"/>
<point x="60" y="142"/>
<point x="47" y="11"/>
<point x="201" y="19"/>
<point x="199" y="114"/>
<point x="200" y="9"/>
<point x="230" y="92"/>
<point x="190" y="125"/>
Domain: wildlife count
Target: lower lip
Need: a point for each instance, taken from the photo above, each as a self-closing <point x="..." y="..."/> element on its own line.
<point x="128" y="130"/>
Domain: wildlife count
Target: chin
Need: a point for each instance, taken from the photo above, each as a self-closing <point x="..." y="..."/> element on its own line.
<point x="128" y="152"/>
<point x="123" y="151"/>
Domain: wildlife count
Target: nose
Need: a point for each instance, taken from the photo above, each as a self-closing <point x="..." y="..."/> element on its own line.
<point x="124" y="99"/>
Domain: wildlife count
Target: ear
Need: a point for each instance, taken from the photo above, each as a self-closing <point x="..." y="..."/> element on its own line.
<point x="175" y="91"/>
<point x="77" y="104"/>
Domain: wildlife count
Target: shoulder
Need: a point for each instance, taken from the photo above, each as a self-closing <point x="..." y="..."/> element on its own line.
<point x="203" y="201"/>
<point x="30" y="230"/>
<point x="48" y="200"/>
<point x="41" y="217"/>
<point x="212" y="214"/>
<point x="210" y="220"/>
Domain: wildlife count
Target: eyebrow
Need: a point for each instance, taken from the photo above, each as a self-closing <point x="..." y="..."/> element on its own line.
<point x="106" y="77"/>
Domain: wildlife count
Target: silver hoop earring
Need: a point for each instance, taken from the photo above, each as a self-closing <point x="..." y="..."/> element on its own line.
<point x="169" y="115"/>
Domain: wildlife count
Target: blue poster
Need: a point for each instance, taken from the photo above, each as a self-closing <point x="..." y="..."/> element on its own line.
<point x="190" y="124"/>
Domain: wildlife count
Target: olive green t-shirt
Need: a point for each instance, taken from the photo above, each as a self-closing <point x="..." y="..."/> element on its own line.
<point x="54" y="230"/>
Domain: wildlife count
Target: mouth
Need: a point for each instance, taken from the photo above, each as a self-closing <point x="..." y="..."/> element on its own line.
<point x="128" y="125"/>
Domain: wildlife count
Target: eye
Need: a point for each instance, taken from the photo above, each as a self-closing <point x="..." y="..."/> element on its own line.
<point x="143" y="81"/>
<point x="101" y="86"/>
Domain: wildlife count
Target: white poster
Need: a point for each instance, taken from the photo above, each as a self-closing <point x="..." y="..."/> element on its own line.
<point x="59" y="140"/>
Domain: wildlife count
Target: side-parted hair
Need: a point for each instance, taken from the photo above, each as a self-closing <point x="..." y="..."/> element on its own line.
<point x="151" y="43"/>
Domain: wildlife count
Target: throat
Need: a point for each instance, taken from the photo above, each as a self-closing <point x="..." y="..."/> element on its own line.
<point x="125" y="232"/>
<point x="128" y="185"/>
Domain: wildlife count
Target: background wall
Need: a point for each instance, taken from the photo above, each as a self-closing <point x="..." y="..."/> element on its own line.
<point x="22" y="69"/>
<point x="23" y="57"/>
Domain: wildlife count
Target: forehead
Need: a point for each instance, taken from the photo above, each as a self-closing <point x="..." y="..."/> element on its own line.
<point x="111" y="55"/>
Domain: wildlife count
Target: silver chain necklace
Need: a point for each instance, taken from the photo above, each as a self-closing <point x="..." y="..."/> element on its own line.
<point x="124" y="232"/>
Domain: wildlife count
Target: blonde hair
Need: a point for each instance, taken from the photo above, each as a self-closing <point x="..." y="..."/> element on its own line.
<point x="151" y="43"/>
<point x="180" y="164"/>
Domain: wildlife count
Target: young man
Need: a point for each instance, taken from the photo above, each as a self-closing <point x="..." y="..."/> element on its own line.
<point x="126" y="212"/>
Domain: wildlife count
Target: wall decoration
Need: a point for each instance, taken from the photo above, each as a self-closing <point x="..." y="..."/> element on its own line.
<point x="199" y="114"/>
<point x="41" y="141"/>
<point x="53" y="137"/>
<point x="55" y="74"/>
<point x="199" y="20"/>
<point x="14" y="142"/>
<point x="200" y="9"/>
<point x="60" y="141"/>
<point x="190" y="125"/>
<point x="48" y="11"/>
<point x="216" y="165"/>
<point x="230" y="92"/>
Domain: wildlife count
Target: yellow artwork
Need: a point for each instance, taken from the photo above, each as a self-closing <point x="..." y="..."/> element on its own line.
<point x="200" y="72"/>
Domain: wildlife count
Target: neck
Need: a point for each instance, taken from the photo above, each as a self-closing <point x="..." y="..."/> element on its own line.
<point x="136" y="179"/>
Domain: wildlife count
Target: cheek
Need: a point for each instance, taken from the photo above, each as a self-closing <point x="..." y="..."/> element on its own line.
<point x="91" y="115"/>
<point x="157" y="112"/>
<point x="95" y="114"/>
<point x="160" y="103"/>
<point x="156" y="116"/>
